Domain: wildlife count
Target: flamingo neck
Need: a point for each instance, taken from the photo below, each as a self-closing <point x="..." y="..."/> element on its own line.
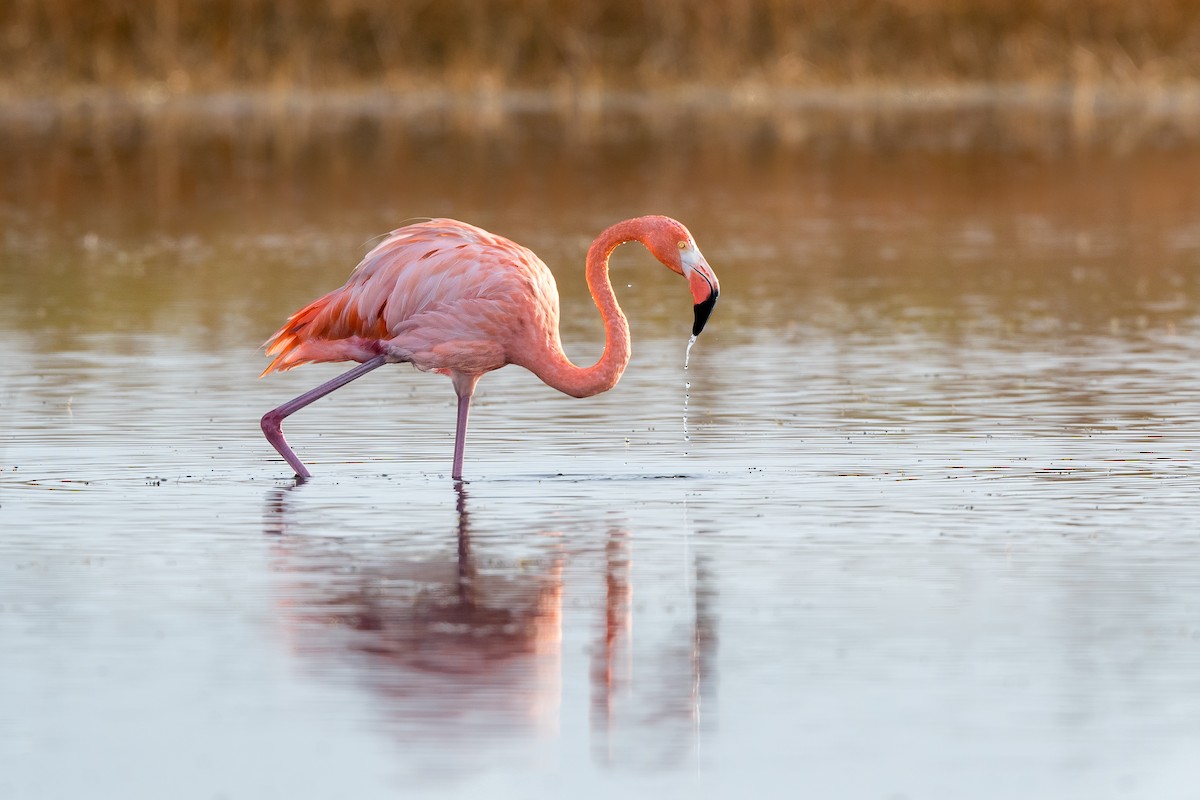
<point x="577" y="381"/>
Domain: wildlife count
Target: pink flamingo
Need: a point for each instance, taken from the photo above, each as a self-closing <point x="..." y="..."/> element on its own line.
<point x="449" y="297"/>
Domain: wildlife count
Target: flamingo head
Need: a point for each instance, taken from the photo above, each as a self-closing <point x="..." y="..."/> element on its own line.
<point x="672" y="244"/>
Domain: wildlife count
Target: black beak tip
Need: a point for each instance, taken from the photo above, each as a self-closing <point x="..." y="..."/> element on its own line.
<point x="703" y="310"/>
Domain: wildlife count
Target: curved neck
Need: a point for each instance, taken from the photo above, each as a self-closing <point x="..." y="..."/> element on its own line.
<point x="559" y="372"/>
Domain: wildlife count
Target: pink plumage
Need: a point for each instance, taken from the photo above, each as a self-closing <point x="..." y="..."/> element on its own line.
<point x="450" y="297"/>
<point x="422" y="289"/>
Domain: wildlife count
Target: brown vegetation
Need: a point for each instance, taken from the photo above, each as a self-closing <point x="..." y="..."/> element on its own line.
<point x="602" y="44"/>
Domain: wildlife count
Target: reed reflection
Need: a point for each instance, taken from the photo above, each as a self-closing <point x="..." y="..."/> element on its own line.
<point x="207" y="228"/>
<point x="468" y="645"/>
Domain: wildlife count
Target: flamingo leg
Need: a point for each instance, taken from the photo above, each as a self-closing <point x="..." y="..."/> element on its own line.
<point x="460" y="435"/>
<point x="272" y="420"/>
<point x="464" y="387"/>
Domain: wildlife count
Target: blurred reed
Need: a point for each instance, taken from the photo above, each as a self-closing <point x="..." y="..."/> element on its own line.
<point x="611" y="45"/>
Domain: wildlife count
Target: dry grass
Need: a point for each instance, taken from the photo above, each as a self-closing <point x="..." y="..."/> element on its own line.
<point x="207" y="45"/>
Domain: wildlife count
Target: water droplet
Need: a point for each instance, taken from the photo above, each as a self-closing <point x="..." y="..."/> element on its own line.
<point x="687" y="385"/>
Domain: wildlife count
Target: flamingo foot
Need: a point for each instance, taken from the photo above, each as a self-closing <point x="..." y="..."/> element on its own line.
<point x="272" y="420"/>
<point x="271" y="423"/>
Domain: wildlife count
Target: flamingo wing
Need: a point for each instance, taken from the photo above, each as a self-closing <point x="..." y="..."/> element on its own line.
<point x="425" y="290"/>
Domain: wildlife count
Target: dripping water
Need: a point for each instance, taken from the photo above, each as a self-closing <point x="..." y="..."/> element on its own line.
<point x="687" y="386"/>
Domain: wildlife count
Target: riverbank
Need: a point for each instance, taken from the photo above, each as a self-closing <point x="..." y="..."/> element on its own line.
<point x="1046" y="119"/>
<point x="51" y="47"/>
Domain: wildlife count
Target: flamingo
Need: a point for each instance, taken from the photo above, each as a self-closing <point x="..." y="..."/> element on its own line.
<point x="455" y="299"/>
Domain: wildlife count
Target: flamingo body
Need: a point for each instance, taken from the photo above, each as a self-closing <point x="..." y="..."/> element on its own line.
<point x="442" y="295"/>
<point x="453" y="298"/>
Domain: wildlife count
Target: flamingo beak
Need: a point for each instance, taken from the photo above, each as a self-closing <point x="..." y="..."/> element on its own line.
<point x="705" y="290"/>
<point x="702" y="311"/>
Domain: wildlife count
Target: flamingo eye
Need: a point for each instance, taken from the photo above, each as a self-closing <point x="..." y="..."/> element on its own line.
<point x="682" y="245"/>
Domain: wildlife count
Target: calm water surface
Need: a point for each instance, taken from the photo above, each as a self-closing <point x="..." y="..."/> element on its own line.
<point x="933" y="534"/>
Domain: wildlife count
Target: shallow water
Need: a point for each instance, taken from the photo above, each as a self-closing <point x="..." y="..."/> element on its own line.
<point x="930" y="532"/>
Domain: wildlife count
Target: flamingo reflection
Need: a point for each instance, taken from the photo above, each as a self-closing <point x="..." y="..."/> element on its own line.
<point x="458" y="650"/>
<point x="673" y="685"/>
<point x="446" y="644"/>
